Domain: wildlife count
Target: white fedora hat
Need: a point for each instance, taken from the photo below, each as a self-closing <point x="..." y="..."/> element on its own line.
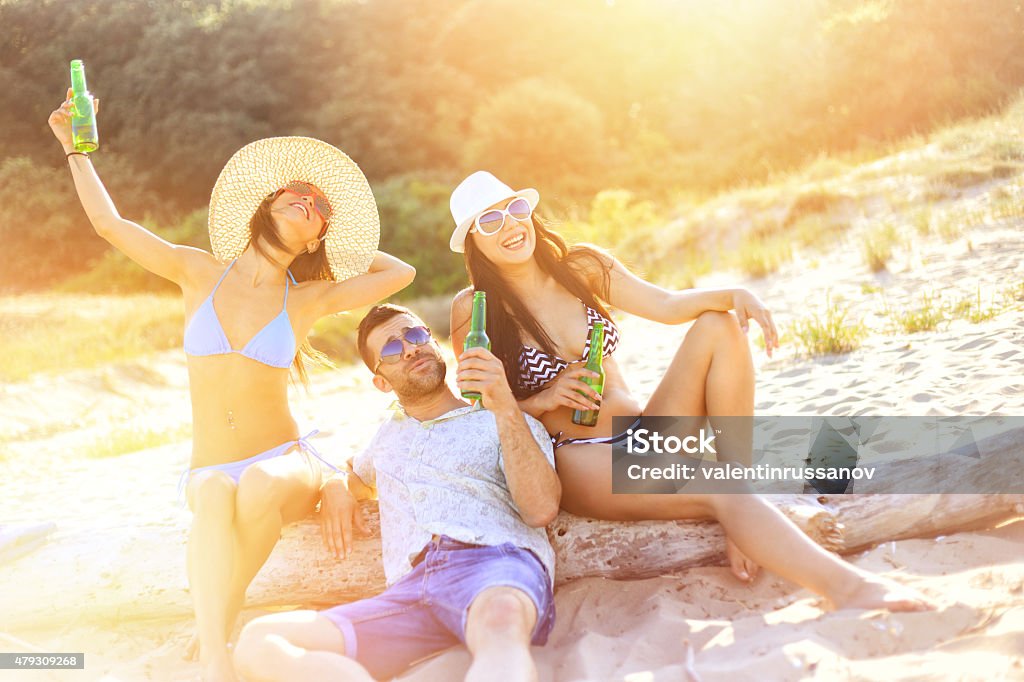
<point x="476" y="194"/>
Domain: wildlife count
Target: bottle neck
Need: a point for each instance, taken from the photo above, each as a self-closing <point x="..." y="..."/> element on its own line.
<point x="596" y="354"/>
<point x="479" y="322"/>
<point x="78" y="80"/>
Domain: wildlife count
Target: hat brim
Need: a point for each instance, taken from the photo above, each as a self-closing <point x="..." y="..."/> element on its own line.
<point x="264" y="166"/>
<point x="458" y="240"/>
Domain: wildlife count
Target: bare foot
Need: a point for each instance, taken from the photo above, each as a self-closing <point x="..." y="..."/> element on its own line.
<point x="219" y="669"/>
<point x="742" y="567"/>
<point x="191" y="651"/>
<point x="875" y="592"/>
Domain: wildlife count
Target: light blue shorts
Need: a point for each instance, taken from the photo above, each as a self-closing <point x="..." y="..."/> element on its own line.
<point x="425" y="612"/>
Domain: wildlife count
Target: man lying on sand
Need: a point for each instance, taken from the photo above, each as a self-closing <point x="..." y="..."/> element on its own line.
<point x="464" y="494"/>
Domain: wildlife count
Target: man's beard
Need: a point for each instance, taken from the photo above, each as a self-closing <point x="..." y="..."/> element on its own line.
<point x="413" y="386"/>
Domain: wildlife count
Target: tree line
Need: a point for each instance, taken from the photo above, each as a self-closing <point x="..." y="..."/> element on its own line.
<point x="659" y="97"/>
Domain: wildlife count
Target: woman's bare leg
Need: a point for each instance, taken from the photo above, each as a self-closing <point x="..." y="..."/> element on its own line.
<point x="210" y="560"/>
<point x="271" y="494"/>
<point x="712" y="374"/>
<point x="760" y="530"/>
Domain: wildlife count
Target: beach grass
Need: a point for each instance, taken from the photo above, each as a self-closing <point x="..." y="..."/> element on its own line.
<point x="925" y="317"/>
<point x="877" y="245"/>
<point x="829" y="333"/>
<point x="123" y="441"/>
<point x="921" y="218"/>
<point x="1006" y="202"/>
<point x="1013" y="295"/>
<point x="761" y="257"/>
<point x="817" y="231"/>
<point x="974" y="310"/>
<point x="949" y="225"/>
<point x="62" y="332"/>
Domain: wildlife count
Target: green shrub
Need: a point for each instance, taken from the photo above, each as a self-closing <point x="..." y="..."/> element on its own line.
<point x="114" y="273"/>
<point x="416" y="225"/>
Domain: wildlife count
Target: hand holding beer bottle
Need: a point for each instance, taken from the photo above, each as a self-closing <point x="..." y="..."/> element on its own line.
<point x="595" y="361"/>
<point x="76" y="132"/>
<point x="84" y="133"/>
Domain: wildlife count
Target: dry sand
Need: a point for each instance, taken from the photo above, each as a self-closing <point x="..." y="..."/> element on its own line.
<point x="702" y="623"/>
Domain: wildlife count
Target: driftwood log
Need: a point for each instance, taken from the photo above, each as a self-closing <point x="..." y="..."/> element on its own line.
<point x="139" y="573"/>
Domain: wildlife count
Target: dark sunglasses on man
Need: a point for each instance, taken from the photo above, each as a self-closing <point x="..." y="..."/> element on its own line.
<point x="391" y="353"/>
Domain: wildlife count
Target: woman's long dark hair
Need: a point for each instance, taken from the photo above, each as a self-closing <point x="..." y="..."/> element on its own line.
<point x="508" y="317"/>
<point x="305" y="267"/>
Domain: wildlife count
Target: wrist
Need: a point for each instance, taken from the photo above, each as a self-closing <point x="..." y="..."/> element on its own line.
<point x="538" y="402"/>
<point x="504" y="409"/>
<point x="337" y="480"/>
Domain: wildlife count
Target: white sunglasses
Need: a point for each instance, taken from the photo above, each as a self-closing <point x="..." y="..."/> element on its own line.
<point x="490" y="222"/>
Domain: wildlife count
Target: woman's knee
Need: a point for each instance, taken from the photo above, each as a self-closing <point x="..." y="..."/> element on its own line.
<point x="717" y="324"/>
<point x="259" y="492"/>
<point x="211" y="491"/>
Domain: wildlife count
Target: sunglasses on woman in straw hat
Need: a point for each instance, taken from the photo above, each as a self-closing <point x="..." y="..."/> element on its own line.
<point x="320" y="201"/>
<point x="266" y="168"/>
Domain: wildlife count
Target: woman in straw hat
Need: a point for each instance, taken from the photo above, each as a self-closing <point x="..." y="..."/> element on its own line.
<point x="543" y="302"/>
<point x="294" y="230"/>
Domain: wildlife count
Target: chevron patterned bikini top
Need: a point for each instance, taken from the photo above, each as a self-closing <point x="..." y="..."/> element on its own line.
<point x="537" y="368"/>
<point x="274" y="345"/>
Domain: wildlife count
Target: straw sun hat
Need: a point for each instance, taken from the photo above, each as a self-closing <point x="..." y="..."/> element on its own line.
<point x="262" y="167"/>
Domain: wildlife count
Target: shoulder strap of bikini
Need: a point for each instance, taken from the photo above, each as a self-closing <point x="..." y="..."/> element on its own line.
<point x="224" y="274"/>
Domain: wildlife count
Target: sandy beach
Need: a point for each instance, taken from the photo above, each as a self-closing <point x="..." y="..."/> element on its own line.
<point x="700" y="624"/>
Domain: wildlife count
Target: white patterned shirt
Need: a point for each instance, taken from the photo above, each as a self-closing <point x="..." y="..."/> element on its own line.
<point x="446" y="476"/>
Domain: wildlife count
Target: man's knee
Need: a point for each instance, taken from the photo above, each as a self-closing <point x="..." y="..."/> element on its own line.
<point x="502" y="611"/>
<point x="253" y="655"/>
<point x="267" y="645"/>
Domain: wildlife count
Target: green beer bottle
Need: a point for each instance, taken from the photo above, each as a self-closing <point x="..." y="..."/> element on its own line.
<point x="595" y="360"/>
<point x="477" y="336"/>
<point x="84" y="134"/>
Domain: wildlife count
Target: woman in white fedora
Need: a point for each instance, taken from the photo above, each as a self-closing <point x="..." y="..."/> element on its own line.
<point x="543" y="300"/>
<point x="294" y="230"/>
